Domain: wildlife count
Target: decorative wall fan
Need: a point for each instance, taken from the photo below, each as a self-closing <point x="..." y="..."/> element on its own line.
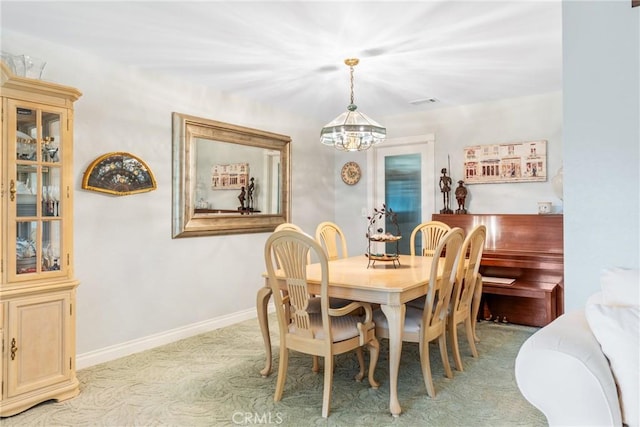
<point x="118" y="173"/>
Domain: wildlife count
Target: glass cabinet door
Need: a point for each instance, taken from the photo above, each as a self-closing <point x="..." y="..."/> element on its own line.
<point x="36" y="208"/>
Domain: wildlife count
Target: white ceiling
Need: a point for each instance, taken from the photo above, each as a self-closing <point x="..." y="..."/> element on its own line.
<point x="290" y="54"/>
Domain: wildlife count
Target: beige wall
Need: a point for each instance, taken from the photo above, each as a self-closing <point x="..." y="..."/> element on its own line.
<point x="138" y="286"/>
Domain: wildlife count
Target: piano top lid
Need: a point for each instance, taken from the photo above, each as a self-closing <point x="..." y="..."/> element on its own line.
<point x="512" y="234"/>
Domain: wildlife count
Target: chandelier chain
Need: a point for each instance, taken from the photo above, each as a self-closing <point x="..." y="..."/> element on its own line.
<point x="351" y="67"/>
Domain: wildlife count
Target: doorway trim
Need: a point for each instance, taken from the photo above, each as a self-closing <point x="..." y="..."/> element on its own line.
<point x="428" y="177"/>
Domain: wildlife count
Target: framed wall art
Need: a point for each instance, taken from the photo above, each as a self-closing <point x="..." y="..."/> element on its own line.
<point x="118" y="173"/>
<point x="506" y="162"/>
<point x="230" y="176"/>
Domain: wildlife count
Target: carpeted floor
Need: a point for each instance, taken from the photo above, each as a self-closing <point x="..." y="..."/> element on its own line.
<point x="213" y="380"/>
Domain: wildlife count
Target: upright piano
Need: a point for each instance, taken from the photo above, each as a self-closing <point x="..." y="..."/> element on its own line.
<point x="522" y="265"/>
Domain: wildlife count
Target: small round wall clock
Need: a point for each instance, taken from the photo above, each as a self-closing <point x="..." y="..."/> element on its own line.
<point x="351" y="173"/>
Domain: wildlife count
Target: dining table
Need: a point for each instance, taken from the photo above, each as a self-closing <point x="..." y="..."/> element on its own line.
<point x="390" y="285"/>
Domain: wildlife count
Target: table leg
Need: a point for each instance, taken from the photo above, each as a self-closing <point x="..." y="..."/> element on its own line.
<point x="261" y="304"/>
<point x="395" y="319"/>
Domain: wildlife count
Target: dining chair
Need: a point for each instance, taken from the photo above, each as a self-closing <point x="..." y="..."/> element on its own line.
<point x="314" y="304"/>
<point x="294" y="227"/>
<point x="332" y="240"/>
<point x="430" y="232"/>
<point x="429" y="324"/>
<point x="314" y="301"/>
<point x="324" y="334"/>
<point x="464" y="292"/>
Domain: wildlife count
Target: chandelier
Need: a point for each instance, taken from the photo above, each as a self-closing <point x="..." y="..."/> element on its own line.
<point x="352" y="130"/>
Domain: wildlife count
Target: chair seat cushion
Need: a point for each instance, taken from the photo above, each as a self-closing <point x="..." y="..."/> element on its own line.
<point x="343" y="327"/>
<point x="416" y="303"/>
<point x="412" y="319"/>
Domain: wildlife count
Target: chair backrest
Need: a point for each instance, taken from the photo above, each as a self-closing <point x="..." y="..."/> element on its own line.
<point x="332" y="239"/>
<point x="442" y="276"/>
<point x="288" y="226"/>
<point x="468" y="267"/>
<point x="286" y="256"/>
<point x="293" y="227"/>
<point x="430" y="232"/>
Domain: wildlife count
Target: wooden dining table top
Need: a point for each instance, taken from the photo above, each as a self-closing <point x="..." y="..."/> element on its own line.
<point x="381" y="283"/>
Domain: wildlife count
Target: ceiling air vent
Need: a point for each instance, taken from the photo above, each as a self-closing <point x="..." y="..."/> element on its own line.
<point x="423" y="101"/>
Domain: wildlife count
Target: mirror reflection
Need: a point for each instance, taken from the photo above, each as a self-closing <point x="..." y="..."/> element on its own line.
<point x="227" y="179"/>
<point x="234" y="179"/>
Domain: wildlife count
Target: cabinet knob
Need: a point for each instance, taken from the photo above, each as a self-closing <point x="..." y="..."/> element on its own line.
<point x="13" y="349"/>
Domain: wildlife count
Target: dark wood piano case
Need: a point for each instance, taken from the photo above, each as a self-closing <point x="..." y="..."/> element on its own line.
<point x="527" y="248"/>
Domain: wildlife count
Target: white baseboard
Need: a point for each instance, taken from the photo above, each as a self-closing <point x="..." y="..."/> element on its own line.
<point x="106" y="354"/>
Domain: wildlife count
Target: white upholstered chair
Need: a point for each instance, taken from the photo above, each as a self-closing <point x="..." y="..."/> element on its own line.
<point x="429" y="324"/>
<point x="324" y="334"/>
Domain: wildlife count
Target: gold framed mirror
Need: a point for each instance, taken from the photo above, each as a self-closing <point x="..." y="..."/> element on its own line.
<point x="227" y="179"/>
